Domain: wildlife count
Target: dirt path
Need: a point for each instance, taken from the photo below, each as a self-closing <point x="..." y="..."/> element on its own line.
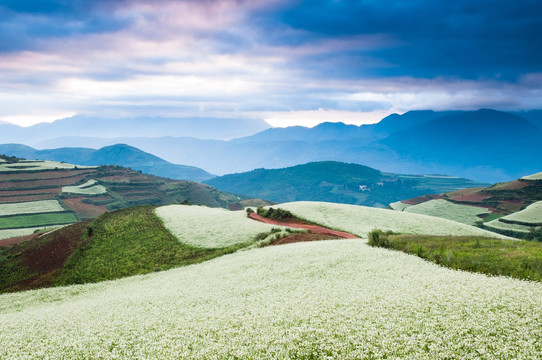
<point x="316" y="229"/>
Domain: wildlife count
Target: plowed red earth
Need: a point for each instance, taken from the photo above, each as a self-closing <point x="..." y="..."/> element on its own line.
<point x="315" y="229"/>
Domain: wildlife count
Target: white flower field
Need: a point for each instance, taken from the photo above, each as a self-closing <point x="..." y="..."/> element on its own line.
<point x="360" y="220"/>
<point x="38" y="165"/>
<point x="537" y="176"/>
<point x="213" y="228"/>
<point x="448" y="210"/>
<point x="30" y="207"/>
<point x="531" y="215"/>
<point x="88" y="188"/>
<point x="325" y="299"/>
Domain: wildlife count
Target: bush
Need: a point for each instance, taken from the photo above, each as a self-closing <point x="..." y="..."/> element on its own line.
<point x="535" y="234"/>
<point x="379" y="238"/>
<point x="275" y="214"/>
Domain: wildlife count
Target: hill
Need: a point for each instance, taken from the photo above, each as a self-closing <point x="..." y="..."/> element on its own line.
<point x="140" y="240"/>
<point x="118" y="154"/>
<point x="335" y="182"/>
<point x="38" y="194"/>
<point x="123" y="243"/>
<point x="341" y="299"/>
<point x="511" y="207"/>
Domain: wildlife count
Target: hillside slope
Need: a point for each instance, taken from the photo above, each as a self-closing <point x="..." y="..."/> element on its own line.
<point x="124" y="243"/>
<point x="491" y="207"/>
<point x="335" y="182"/>
<point x="38" y="194"/>
<point x="118" y="154"/>
<point x="337" y="299"/>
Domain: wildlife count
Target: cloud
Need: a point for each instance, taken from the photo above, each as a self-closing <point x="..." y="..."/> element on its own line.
<point x="238" y="58"/>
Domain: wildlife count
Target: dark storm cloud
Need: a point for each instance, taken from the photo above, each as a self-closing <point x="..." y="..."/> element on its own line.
<point x="463" y="38"/>
<point x="24" y="23"/>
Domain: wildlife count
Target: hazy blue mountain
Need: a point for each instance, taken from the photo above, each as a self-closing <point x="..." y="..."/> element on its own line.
<point x="335" y="182"/>
<point x="205" y="128"/>
<point x="395" y="122"/>
<point x="534" y="116"/>
<point x="328" y="131"/>
<point x="485" y="145"/>
<point x="119" y="154"/>
<point x="483" y="138"/>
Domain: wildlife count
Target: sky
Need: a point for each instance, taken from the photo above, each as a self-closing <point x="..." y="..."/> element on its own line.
<point x="288" y="62"/>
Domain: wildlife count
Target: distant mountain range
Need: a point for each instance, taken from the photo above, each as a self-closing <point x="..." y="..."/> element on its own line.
<point x="485" y="145"/>
<point x="119" y="154"/>
<point x="335" y="182"/>
<point x="204" y="128"/>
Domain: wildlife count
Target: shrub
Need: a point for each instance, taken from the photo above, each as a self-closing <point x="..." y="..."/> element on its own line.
<point x="379" y="238"/>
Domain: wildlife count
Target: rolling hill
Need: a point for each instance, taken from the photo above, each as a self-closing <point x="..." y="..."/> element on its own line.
<point x="337" y="298"/>
<point x="118" y="154"/>
<point x="139" y="240"/>
<point x="38" y="194"/>
<point x="512" y="207"/>
<point x="335" y="182"/>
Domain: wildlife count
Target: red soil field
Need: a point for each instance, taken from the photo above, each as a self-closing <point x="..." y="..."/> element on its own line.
<point x="82" y="209"/>
<point x="13" y="199"/>
<point x="39" y="183"/>
<point x="30" y="192"/>
<point x="47" y="258"/>
<point x="474" y="197"/>
<point x="422" y="199"/>
<point x="316" y="229"/>
<point x="302" y="237"/>
<point x="514" y="185"/>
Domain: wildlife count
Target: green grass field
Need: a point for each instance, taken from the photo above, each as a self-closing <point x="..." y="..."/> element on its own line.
<point x="130" y="242"/>
<point x="514" y="258"/>
<point x="36" y="220"/>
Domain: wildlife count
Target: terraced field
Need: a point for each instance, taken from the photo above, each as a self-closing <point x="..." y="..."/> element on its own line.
<point x="509" y="208"/>
<point x="79" y="193"/>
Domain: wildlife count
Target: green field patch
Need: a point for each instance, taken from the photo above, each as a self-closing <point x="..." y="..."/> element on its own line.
<point x="515" y="258"/>
<point x="35" y="220"/>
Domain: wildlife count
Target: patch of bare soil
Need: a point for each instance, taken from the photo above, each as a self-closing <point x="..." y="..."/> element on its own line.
<point x="315" y="229"/>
